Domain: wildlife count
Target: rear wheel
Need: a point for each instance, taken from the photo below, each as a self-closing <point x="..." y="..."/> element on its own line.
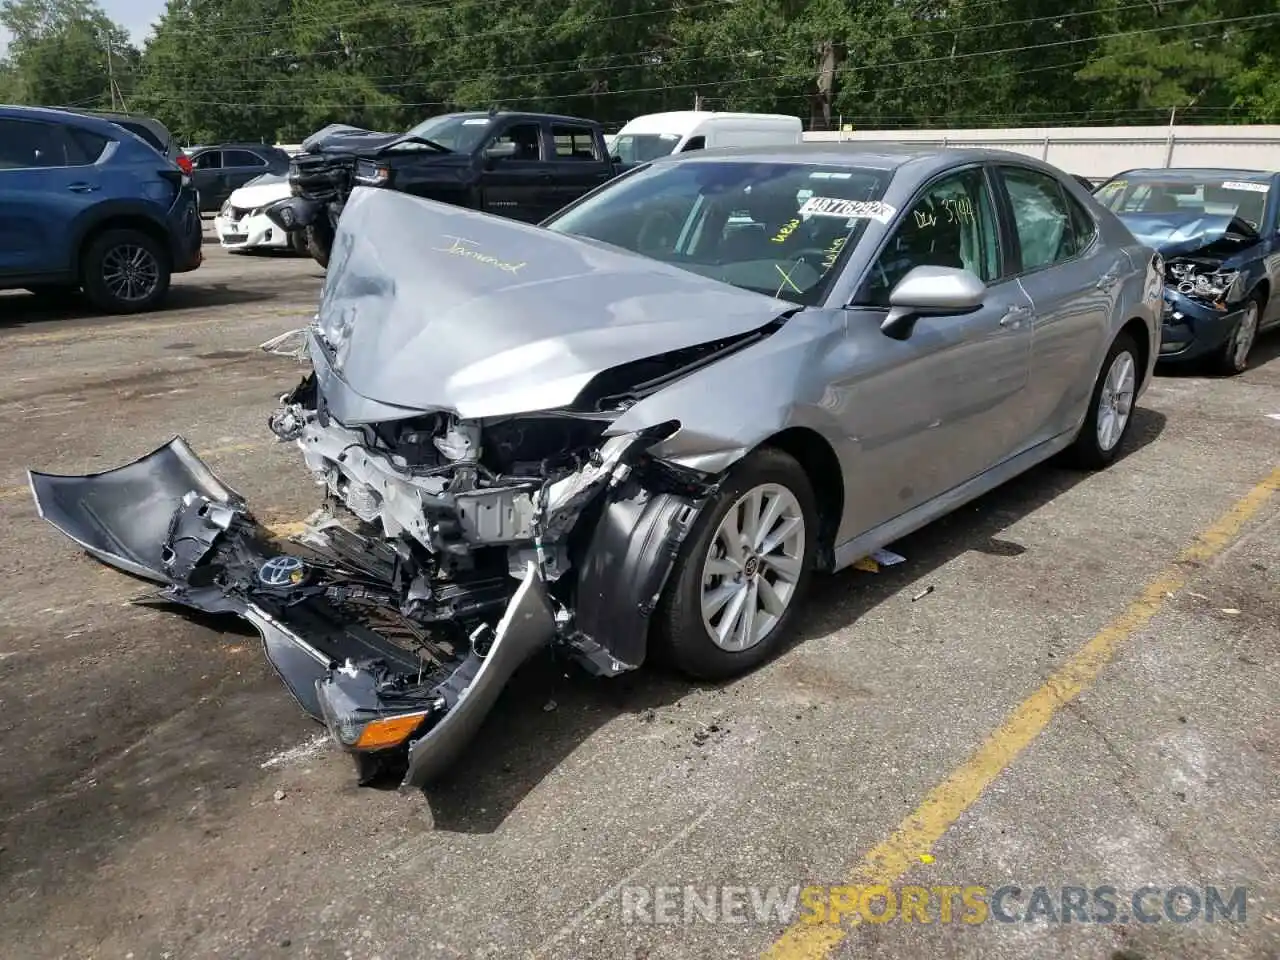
<point x="743" y="571"/>
<point x="1234" y="357"/>
<point x="125" y="271"/>
<point x="1110" y="407"/>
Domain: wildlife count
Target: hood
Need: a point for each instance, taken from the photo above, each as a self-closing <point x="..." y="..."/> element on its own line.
<point x="266" y="189"/>
<point x="1178" y="234"/>
<point x="341" y="138"/>
<point x="432" y="306"/>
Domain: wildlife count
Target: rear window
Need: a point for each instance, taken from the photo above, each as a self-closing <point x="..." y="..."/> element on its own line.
<point x="144" y="132"/>
<point x="87" y="147"/>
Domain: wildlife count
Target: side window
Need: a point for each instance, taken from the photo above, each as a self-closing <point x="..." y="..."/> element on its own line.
<point x="574" y="143"/>
<point x="26" y="143"/>
<point x="951" y="225"/>
<point x="85" y="147"/>
<point x="1040" y="216"/>
<point x="1083" y="229"/>
<point x="528" y="140"/>
<point x="209" y="160"/>
<point x="695" y="143"/>
<point x="242" y="158"/>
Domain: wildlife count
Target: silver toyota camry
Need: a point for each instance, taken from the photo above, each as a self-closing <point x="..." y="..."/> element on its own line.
<point x="640" y="428"/>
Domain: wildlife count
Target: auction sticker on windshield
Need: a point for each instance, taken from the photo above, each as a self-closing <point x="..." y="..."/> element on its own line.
<point x="1244" y="185"/>
<point x="876" y="210"/>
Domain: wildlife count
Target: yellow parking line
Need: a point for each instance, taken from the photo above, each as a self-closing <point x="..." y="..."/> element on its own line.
<point x="916" y="835"/>
<point x="13" y="493"/>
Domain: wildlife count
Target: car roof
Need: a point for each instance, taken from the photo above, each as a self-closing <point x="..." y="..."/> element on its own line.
<point x="1196" y="173"/>
<point x="91" y="120"/>
<point x="554" y="117"/>
<point x="869" y="154"/>
<point x="236" y="145"/>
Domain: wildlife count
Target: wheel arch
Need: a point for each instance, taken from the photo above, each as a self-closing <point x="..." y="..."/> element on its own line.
<point x="128" y="220"/>
<point x="1141" y="335"/>
<point x="819" y="461"/>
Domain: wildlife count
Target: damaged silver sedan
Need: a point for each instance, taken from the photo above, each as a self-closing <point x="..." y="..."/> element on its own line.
<point x="641" y="427"/>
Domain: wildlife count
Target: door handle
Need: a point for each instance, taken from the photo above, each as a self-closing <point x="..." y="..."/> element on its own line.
<point x="1107" y="281"/>
<point x="1015" y="316"/>
<point x="82" y="187"/>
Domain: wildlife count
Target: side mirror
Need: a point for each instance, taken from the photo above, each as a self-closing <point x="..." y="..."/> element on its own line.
<point x="500" y="151"/>
<point x="931" y="291"/>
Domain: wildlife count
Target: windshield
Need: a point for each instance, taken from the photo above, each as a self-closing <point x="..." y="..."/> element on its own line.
<point x="460" y="133"/>
<point x="781" y="229"/>
<point x="1181" y="195"/>
<point x="643" y="147"/>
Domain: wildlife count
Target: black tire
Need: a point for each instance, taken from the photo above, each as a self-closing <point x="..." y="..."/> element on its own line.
<point x="298" y="243"/>
<point x="110" y="252"/>
<point x="1231" y="360"/>
<point x="1087" y="452"/>
<point x="318" y="245"/>
<point x="680" y="635"/>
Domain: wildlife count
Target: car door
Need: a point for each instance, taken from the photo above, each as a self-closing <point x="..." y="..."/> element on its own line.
<point x="47" y="179"/>
<point x="238" y="168"/>
<point x="208" y="180"/>
<point x="942" y="406"/>
<point x="1073" y="280"/>
<point x="519" y="186"/>
<point x="576" y="164"/>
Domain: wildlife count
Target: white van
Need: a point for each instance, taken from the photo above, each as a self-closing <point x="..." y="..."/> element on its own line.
<point x="658" y="134"/>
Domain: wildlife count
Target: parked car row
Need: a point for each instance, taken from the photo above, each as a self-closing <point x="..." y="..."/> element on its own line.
<point x="1217" y="230"/>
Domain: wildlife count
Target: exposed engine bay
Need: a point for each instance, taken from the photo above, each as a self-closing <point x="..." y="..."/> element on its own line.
<point x="1199" y="273"/>
<point x="436" y="565"/>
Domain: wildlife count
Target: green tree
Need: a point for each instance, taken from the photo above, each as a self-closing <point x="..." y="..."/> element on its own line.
<point x="66" y="52"/>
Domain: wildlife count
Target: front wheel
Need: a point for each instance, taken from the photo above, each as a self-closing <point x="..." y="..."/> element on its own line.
<point x="743" y="571"/>
<point x="1110" y="407"/>
<point x="1234" y="357"/>
<point x="318" y="245"/>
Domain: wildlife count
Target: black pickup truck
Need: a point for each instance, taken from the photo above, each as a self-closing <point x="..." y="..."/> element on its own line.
<point x="524" y="166"/>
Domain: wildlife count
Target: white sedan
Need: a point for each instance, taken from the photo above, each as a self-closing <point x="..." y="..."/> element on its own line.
<point x="242" y="223"/>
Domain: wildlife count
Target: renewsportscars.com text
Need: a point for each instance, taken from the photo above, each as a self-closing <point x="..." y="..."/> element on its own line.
<point x="967" y="905"/>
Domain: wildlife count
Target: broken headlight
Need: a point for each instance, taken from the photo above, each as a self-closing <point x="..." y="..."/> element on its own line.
<point x="355" y="715"/>
<point x="371" y="174"/>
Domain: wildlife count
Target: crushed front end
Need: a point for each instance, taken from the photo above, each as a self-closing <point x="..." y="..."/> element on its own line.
<point x="444" y="555"/>
<point x="1203" y="302"/>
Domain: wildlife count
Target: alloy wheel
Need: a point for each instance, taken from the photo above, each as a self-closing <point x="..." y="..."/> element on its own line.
<point x="130" y="272"/>
<point x="1115" y="403"/>
<point x="1245" y="333"/>
<point x="753" y="567"/>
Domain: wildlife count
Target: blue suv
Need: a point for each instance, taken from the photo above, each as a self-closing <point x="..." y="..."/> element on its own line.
<point x="87" y="204"/>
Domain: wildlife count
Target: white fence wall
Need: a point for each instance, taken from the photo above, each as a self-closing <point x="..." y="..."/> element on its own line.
<point x="1103" y="151"/>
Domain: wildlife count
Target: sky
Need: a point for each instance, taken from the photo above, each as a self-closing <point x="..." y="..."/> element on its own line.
<point x="136" y="16"/>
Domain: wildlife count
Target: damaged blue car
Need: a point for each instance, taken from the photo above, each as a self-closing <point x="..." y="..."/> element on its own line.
<point x="1218" y="232"/>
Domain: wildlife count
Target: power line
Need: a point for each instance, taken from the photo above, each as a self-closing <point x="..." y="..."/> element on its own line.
<point x="665" y="62"/>
<point x="789" y="76"/>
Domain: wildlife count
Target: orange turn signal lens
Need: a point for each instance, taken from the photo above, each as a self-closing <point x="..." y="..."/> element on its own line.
<point x="389" y="731"/>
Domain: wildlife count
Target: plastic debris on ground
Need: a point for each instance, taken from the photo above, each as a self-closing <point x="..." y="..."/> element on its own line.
<point x="878" y="559"/>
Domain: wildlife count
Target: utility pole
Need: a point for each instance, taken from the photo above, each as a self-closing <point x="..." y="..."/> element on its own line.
<point x="697" y="101"/>
<point x="111" y="79"/>
<point x="111" y="75"/>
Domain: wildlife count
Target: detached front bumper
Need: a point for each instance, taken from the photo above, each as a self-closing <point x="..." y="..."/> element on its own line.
<point x="1192" y="329"/>
<point x="167" y="518"/>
